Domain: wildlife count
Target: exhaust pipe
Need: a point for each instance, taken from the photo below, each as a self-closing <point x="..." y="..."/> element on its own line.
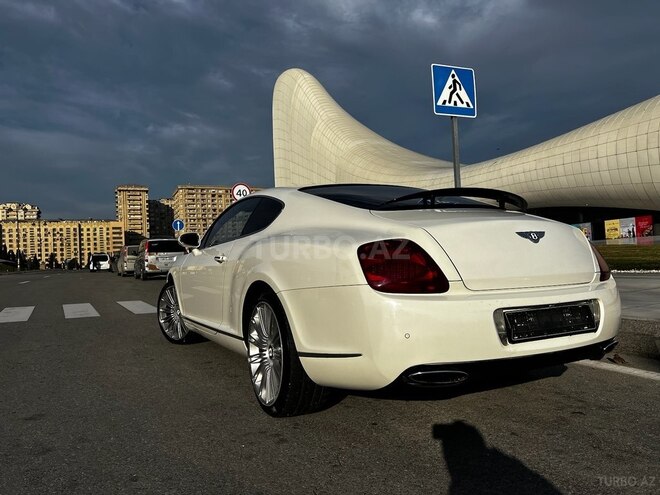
<point x="609" y="346"/>
<point x="437" y="378"/>
<point x="604" y="348"/>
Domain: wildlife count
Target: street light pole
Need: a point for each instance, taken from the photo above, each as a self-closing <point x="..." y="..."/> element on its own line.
<point x="18" y="243"/>
<point x="18" y="240"/>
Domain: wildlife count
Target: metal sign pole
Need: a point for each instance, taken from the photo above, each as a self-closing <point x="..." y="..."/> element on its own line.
<point x="454" y="95"/>
<point x="454" y="140"/>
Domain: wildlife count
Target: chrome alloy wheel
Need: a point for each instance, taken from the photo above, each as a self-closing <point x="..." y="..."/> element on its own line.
<point x="169" y="315"/>
<point x="265" y="353"/>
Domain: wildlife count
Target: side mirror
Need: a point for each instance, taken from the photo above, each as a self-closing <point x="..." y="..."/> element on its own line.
<point x="189" y="240"/>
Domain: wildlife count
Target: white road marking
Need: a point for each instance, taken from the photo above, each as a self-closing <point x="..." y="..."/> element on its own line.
<point x="46" y="276"/>
<point x="11" y="315"/>
<point x="138" y="307"/>
<point x="652" y="375"/>
<point x="84" y="310"/>
<point x="25" y="282"/>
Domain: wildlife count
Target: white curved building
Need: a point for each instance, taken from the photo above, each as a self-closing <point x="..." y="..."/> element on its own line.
<point x="613" y="162"/>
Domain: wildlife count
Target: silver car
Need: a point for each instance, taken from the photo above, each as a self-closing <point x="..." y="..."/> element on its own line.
<point x="156" y="256"/>
<point x="126" y="260"/>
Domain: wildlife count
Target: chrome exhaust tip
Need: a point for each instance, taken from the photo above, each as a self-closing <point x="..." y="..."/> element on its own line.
<point x="437" y="378"/>
<point x="603" y="348"/>
<point x="609" y="346"/>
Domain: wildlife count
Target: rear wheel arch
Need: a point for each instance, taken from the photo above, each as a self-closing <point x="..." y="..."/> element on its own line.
<point x="254" y="291"/>
<point x="279" y="380"/>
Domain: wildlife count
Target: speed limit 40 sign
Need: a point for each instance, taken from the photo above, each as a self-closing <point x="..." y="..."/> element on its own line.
<point x="239" y="191"/>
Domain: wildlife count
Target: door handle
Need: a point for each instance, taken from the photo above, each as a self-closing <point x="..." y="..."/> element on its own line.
<point x="220" y="259"/>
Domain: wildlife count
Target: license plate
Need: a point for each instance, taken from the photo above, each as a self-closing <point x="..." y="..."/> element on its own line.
<point x="166" y="259"/>
<point x="544" y="322"/>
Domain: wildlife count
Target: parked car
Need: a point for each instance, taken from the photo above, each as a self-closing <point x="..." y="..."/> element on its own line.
<point x="125" y="262"/>
<point x="358" y="286"/>
<point x="7" y="266"/>
<point x="99" y="261"/>
<point x="155" y="257"/>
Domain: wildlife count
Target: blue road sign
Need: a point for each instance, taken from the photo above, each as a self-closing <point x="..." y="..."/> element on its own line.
<point x="454" y="91"/>
<point x="177" y="225"/>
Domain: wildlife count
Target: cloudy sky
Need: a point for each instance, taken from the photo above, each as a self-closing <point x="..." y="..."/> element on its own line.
<point x="95" y="93"/>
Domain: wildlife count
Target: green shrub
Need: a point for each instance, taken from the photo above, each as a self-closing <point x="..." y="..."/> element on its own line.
<point x="631" y="256"/>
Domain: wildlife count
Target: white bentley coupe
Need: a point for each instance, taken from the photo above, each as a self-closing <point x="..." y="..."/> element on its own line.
<point x="358" y="286"/>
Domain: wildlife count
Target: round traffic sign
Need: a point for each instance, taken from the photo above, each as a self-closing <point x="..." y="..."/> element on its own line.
<point x="177" y="225"/>
<point x="240" y="190"/>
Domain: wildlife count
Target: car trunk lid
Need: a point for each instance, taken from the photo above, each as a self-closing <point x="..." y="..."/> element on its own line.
<point x="496" y="249"/>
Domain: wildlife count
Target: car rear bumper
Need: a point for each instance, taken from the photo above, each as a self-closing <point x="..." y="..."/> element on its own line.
<point x="101" y="267"/>
<point x="457" y="373"/>
<point x="158" y="267"/>
<point x="355" y="337"/>
<point x="150" y="270"/>
<point x="128" y="267"/>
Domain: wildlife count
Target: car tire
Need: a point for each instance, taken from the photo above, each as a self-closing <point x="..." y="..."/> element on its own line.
<point x="170" y="319"/>
<point x="278" y="378"/>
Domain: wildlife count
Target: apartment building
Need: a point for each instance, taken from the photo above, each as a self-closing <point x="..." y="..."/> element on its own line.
<point x="161" y="216"/>
<point x="137" y="218"/>
<point x="19" y="211"/>
<point x="132" y="207"/>
<point x="66" y="239"/>
<point x="198" y="206"/>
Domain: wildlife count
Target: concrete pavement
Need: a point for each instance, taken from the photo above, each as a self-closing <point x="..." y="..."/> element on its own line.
<point x="640" y="295"/>
<point x="639" y="337"/>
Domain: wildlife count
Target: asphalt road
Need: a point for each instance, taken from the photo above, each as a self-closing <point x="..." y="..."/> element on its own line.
<point x="105" y="405"/>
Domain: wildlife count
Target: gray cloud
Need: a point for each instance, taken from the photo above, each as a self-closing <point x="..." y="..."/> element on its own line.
<point x="94" y="93"/>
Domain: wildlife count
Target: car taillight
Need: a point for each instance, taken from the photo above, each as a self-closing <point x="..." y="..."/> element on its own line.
<point x="401" y="266"/>
<point x="605" y="272"/>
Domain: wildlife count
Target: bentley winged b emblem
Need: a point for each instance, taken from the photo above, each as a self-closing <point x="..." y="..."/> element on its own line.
<point x="533" y="235"/>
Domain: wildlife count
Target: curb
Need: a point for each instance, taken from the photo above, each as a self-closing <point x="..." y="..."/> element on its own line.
<point x="639" y="338"/>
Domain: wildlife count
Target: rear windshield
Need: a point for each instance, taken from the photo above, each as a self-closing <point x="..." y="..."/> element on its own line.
<point x="99" y="257"/>
<point x="132" y="250"/>
<point x="165" y="247"/>
<point x="369" y="196"/>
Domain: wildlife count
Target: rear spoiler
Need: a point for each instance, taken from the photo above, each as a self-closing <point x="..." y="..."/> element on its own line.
<point x="502" y="197"/>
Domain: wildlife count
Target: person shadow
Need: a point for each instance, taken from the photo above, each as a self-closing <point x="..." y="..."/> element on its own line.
<point x="478" y="469"/>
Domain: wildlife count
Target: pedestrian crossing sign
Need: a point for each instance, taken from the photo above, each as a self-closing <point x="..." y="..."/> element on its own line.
<point x="454" y="91"/>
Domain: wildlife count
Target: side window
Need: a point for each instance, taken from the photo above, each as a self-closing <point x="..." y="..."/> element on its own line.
<point x="230" y="224"/>
<point x="264" y="214"/>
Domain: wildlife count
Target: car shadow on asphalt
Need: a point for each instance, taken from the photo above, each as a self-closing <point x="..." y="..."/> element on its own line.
<point x="476" y="468"/>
